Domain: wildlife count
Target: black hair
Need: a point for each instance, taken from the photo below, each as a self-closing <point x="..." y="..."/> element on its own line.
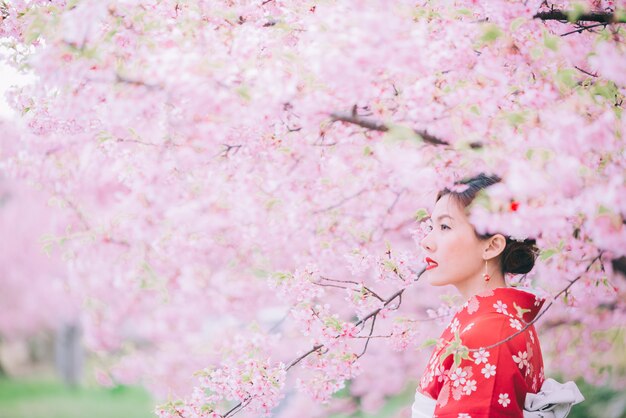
<point x="518" y="257"/>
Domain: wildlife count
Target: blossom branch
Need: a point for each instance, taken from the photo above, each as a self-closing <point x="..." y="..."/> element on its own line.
<point x="318" y="347"/>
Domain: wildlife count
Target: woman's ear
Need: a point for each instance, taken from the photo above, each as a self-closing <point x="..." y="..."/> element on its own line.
<point x="495" y="246"/>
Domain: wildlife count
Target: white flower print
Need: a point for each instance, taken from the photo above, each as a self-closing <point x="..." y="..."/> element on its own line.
<point x="469" y="387"/>
<point x="468" y="327"/>
<point x="458" y="377"/>
<point x="439" y="373"/>
<point x="480" y="356"/>
<point x="461" y="415"/>
<point x="500" y="307"/>
<point x="521" y="359"/>
<point x="504" y="399"/>
<point x="427" y="378"/>
<point x="489" y="370"/>
<point x="516" y="324"/>
<point x="454" y="325"/>
<point x="529" y="369"/>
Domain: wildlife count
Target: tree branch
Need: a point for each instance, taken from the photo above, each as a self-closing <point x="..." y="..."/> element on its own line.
<point x="375" y="125"/>
<point x="619" y="264"/>
<point x="585" y="17"/>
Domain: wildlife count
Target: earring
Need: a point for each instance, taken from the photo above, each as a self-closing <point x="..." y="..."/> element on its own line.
<point x="486" y="275"/>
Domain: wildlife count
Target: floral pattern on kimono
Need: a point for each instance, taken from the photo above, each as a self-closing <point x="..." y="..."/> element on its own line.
<point x="490" y="380"/>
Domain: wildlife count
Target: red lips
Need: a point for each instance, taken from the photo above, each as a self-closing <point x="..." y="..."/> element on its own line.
<point x="431" y="263"/>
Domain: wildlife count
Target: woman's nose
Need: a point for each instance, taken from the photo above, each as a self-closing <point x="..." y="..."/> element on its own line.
<point x="426" y="243"/>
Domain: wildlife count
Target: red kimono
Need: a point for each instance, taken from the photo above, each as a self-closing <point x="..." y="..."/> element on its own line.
<point x="491" y="382"/>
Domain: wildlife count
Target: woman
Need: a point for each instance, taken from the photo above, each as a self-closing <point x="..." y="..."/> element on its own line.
<point x="487" y="360"/>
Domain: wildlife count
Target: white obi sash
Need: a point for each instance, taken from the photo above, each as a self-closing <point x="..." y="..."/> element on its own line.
<point x="554" y="400"/>
<point x="423" y="407"/>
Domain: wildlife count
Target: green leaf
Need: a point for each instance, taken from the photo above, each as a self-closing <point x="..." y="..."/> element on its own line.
<point x="259" y="272"/>
<point x="47" y="242"/>
<point x="577" y="10"/>
<point x="550" y="41"/>
<point x="536" y="52"/>
<point x="280" y="276"/>
<point x="516" y="118"/>
<point x="333" y="323"/>
<point x="516" y="23"/>
<point x="607" y="90"/>
<point x="428" y="343"/>
<point x="244" y="93"/>
<point x="420" y="214"/>
<point x="457" y="350"/>
<point x="390" y="265"/>
<point x="490" y="33"/>
<point x="566" y="78"/>
<point x="397" y="132"/>
<point x="520" y="311"/>
<point x="546" y="254"/>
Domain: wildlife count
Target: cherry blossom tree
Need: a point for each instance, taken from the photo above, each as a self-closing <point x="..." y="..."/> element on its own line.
<point x="243" y="182"/>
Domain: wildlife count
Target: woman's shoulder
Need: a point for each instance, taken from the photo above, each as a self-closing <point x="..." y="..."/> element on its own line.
<point x="490" y="328"/>
<point x="520" y="303"/>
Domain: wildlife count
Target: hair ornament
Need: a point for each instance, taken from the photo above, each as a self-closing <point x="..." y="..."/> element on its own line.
<point x="517" y="238"/>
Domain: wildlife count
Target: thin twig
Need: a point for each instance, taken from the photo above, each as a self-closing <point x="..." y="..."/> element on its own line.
<point x="339" y="281"/>
<point x="299" y="359"/>
<point x="341" y="202"/>
<point x="332" y="285"/>
<point x="367" y="289"/>
<point x="585" y="72"/>
<point x="583" y="28"/>
<point x="368" y="338"/>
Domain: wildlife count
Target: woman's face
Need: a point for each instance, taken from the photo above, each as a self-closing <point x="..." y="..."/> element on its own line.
<point x="452" y="244"/>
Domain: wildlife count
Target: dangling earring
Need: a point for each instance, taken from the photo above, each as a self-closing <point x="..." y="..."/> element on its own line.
<point x="486" y="275"/>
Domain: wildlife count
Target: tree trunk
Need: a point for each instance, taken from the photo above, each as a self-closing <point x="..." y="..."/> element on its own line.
<point x="69" y="354"/>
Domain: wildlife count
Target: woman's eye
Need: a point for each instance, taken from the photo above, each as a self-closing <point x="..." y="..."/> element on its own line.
<point x="444" y="226"/>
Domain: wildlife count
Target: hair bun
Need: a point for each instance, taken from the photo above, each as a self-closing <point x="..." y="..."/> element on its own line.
<point x="519" y="257"/>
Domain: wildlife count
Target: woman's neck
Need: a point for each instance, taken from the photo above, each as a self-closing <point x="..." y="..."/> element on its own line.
<point x="472" y="287"/>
